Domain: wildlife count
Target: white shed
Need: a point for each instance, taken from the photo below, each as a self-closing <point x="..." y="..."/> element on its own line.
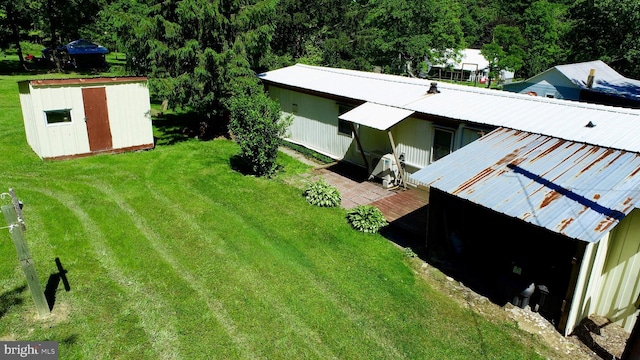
<point x="66" y="118"/>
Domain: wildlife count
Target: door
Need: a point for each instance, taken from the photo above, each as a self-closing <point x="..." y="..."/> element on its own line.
<point x="97" y="118"/>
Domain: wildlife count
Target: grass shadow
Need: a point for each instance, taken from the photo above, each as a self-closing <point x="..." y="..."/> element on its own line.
<point x="11" y="298"/>
<point x="172" y="128"/>
<point x="10" y="67"/>
<point x="13" y="67"/>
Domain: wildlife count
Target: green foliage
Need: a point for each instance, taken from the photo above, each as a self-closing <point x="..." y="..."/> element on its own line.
<point x="31" y="48"/>
<point x="408" y="252"/>
<point x="197" y="54"/>
<point x="257" y="127"/>
<point x="399" y="34"/>
<point x="505" y="51"/>
<point x="542" y="28"/>
<point x="606" y="30"/>
<point x="366" y="218"/>
<point x="322" y="194"/>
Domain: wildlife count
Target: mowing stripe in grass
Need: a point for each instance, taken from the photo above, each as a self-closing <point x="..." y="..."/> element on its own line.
<point x="252" y="279"/>
<point x="156" y="322"/>
<point x="351" y="314"/>
<point x="216" y="307"/>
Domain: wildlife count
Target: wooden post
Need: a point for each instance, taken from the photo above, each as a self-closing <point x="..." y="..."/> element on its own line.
<point x="395" y="156"/>
<point x="364" y="157"/>
<point x="28" y="267"/>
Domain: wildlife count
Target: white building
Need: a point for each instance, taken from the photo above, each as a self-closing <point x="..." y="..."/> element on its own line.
<point x="66" y="118"/>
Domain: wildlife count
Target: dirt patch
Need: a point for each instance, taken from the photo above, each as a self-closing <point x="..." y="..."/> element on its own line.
<point x="594" y="339"/>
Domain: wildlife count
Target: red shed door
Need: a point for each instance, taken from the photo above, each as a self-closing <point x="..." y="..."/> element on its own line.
<point x="97" y="118"/>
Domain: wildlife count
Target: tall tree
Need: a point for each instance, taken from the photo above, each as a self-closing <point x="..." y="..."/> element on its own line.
<point x="478" y="18"/>
<point x="505" y="51"/>
<point x="14" y="20"/>
<point x="607" y="30"/>
<point x="399" y="34"/>
<point x="197" y="53"/>
<point x="543" y="28"/>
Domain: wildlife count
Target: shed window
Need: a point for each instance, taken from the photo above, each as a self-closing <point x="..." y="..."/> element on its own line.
<point x="442" y="143"/>
<point x="344" y="127"/>
<point x="58" y="116"/>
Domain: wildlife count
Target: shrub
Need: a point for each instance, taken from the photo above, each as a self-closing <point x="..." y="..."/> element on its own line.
<point x="257" y="127"/>
<point x="366" y="218"/>
<point x="321" y="194"/>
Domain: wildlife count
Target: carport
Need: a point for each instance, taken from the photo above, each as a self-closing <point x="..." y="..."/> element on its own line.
<point x="517" y="208"/>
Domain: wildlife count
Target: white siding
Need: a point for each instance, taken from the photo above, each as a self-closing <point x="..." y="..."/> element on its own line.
<point x="63" y="138"/>
<point x="315" y="123"/>
<point x="414" y="137"/>
<point x="28" y="116"/>
<point x="129" y="114"/>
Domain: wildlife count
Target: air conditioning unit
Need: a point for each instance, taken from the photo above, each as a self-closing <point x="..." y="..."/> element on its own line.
<point x="386" y="170"/>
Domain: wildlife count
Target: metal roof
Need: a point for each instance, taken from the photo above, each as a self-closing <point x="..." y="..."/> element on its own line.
<point x="605" y="78"/>
<point x="578" y="190"/>
<point x="617" y="128"/>
<point x="376" y="116"/>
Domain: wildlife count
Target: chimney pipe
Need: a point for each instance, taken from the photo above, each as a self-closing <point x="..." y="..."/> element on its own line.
<point x="433" y="89"/>
<point x="592" y="74"/>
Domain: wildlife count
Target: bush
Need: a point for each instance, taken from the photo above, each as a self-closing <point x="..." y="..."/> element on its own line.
<point x="366" y="218"/>
<point x="321" y="194"/>
<point x="257" y="127"/>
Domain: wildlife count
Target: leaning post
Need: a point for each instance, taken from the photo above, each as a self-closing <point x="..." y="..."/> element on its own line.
<point x="13" y="216"/>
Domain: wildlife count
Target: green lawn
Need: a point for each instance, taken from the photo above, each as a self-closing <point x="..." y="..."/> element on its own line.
<point x="171" y="254"/>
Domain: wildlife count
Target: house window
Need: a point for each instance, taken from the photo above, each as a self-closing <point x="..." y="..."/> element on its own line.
<point x="344" y="127"/>
<point x="58" y="116"/>
<point x="442" y="143"/>
<point x="551" y="95"/>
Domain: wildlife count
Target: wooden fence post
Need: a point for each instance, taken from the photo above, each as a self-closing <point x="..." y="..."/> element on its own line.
<point x="16" y="228"/>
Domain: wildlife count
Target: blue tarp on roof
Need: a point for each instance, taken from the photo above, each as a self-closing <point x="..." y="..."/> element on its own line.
<point x="83" y="47"/>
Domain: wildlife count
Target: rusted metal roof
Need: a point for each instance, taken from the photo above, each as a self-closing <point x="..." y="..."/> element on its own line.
<point x="606" y="126"/>
<point x="85" y="81"/>
<point x="572" y="188"/>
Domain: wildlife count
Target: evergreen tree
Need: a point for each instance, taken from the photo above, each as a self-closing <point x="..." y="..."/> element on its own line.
<point x="198" y="54"/>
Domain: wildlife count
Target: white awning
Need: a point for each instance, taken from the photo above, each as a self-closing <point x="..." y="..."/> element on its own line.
<point x="376" y="116"/>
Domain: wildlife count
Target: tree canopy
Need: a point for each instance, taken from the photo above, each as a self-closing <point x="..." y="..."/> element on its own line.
<point x="198" y="54"/>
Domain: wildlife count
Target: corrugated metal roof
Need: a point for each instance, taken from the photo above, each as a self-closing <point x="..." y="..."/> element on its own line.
<point x="617" y="128"/>
<point x="84" y="81"/>
<point x="578" y="72"/>
<point x="376" y="116"/>
<point x="578" y="190"/>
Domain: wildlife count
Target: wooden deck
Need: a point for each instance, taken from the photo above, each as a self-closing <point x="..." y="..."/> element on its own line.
<point x="406" y="209"/>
